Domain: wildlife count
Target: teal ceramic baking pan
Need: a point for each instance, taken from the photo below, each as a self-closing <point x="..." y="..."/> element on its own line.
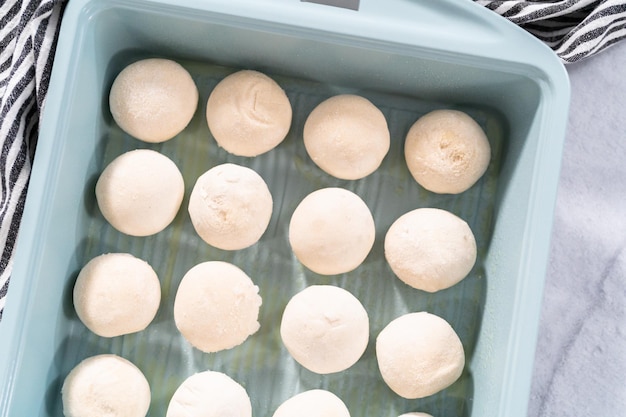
<point x="408" y="57"/>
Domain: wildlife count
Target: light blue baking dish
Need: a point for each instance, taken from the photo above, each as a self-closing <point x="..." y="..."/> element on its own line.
<point x="408" y="57"/>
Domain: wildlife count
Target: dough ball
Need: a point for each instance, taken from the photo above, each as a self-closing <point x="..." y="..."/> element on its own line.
<point x="230" y="207"/>
<point x="116" y="294"/>
<point x="430" y="249"/>
<point x="313" y="403"/>
<point x="347" y="136"/>
<point x="140" y="192"/>
<point x="216" y="306"/>
<point x="210" y="394"/>
<point x="248" y="113"/>
<point x="153" y="99"/>
<point x="415" y="415"/>
<point x="446" y="151"/>
<point x="419" y="354"/>
<point x="325" y="328"/>
<point x="332" y="231"/>
<point x="105" y="385"/>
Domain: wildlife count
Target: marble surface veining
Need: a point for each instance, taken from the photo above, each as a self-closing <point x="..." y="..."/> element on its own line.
<point x="580" y="364"/>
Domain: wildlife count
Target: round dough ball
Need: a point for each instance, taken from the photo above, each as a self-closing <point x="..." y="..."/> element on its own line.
<point x="230" y="207"/>
<point x="430" y="249"/>
<point x="419" y="354"/>
<point x="153" y="99"/>
<point x="216" y="306"/>
<point x="416" y="415"/>
<point x="248" y="113"/>
<point x="140" y="192"/>
<point x="313" y="403"/>
<point x="332" y="231"/>
<point x="209" y="394"/>
<point x="325" y="328"/>
<point x="347" y="136"/>
<point x="446" y="151"/>
<point x="105" y="385"/>
<point x="116" y="294"/>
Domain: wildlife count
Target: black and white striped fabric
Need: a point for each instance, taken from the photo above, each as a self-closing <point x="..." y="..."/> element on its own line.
<point x="28" y="32"/>
<point x="574" y="29"/>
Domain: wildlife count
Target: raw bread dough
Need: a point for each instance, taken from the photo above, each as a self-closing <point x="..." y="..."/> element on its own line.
<point x="153" y="99"/>
<point x="105" y="385"/>
<point x="419" y="354"/>
<point x="325" y="328"/>
<point x="447" y="151"/>
<point x="140" y="192"/>
<point x="230" y="207"/>
<point x="430" y="249"/>
<point x="216" y="306"/>
<point x="332" y="231"/>
<point x="248" y="113"/>
<point x="313" y="403"/>
<point x="347" y="136"/>
<point x="210" y="394"/>
<point x="116" y="294"/>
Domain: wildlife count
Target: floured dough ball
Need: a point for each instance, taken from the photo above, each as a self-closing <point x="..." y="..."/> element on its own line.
<point x="153" y="99"/>
<point x="347" y="136"/>
<point x="419" y="354"/>
<point x="313" y="403"/>
<point x="248" y="113"/>
<point x="140" y="192"/>
<point x="230" y="207"/>
<point x="416" y="415"/>
<point x="116" y="294"/>
<point x="332" y="231"/>
<point x="430" y="249"/>
<point x="105" y="385"/>
<point x="216" y="306"/>
<point x="325" y="328"/>
<point x="446" y="151"/>
<point x="210" y="394"/>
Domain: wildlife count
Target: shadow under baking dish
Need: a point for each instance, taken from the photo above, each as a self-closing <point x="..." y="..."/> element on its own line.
<point x="262" y="364"/>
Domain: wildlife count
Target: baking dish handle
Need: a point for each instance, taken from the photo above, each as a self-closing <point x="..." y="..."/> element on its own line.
<point x="456" y="26"/>
<point x="460" y="27"/>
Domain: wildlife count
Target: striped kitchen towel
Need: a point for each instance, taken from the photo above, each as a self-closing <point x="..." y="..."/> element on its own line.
<point x="575" y="29"/>
<point x="28" y="33"/>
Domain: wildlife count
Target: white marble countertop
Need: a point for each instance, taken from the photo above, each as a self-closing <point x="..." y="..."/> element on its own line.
<point x="580" y="365"/>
